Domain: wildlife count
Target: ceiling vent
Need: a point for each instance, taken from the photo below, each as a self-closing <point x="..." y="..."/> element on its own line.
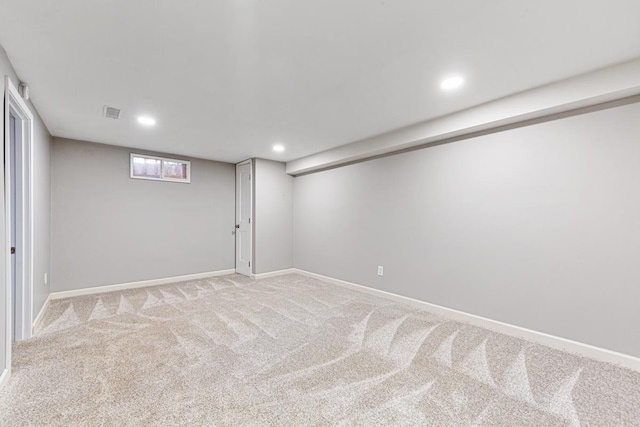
<point x="110" y="112"/>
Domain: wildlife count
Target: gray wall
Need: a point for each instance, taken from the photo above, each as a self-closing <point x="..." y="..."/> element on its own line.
<point x="111" y="229"/>
<point x="538" y="226"/>
<point x="273" y="217"/>
<point x="42" y="204"/>
<point x="42" y="142"/>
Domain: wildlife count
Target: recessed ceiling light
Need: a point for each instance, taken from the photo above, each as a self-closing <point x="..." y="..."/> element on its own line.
<point x="146" y="120"/>
<point x="452" y="83"/>
<point x="278" y="148"/>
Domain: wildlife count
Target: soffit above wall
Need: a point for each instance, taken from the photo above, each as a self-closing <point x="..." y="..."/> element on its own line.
<point x="603" y="86"/>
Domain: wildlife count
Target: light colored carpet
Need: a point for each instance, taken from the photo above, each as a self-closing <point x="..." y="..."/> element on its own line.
<point x="294" y="351"/>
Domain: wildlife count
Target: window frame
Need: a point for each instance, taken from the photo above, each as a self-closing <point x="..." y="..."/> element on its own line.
<point x="187" y="180"/>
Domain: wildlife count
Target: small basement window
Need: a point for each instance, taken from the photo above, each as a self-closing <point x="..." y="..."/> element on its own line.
<point x="160" y="168"/>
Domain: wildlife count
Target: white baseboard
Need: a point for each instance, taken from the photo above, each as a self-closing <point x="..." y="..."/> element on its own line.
<point x="4" y="377"/>
<point x="586" y="350"/>
<point x="134" y="285"/>
<point x="38" y="319"/>
<point x="273" y="273"/>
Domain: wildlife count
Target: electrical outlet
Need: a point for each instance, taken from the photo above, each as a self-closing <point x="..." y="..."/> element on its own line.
<point x="45" y="278"/>
<point x="380" y="270"/>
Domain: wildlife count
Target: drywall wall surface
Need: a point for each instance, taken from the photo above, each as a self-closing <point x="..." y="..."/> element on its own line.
<point x="41" y="156"/>
<point x="41" y="161"/>
<point x="5" y="69"/>
<point x="538" y="226"/>
<point x="111" y="229"/>
<point x="273" y="218"/>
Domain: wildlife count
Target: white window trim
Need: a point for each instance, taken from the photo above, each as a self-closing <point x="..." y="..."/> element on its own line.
<point x="162" y="178"/>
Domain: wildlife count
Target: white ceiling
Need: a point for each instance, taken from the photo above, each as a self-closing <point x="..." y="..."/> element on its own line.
<point x="227" y="79"/>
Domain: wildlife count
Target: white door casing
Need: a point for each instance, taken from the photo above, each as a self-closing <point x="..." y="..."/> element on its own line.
<point x="15" y="106"/>
<point x="244" y="208"/>
<point x="20" y="216"/>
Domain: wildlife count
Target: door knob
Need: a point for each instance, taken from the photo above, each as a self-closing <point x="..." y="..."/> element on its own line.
<point x="237" y="225"/>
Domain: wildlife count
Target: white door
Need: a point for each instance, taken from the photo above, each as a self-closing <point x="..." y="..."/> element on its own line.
<point x="18" y="213"/>
<point x="244" y="202"/>
<point x="14" y="218"/>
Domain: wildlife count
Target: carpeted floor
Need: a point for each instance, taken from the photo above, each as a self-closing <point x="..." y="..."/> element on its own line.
<point x="294" y="351"/>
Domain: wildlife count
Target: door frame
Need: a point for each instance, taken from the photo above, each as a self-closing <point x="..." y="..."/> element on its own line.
<point x="237" y="219"/>
<point x="16" y="106"/>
